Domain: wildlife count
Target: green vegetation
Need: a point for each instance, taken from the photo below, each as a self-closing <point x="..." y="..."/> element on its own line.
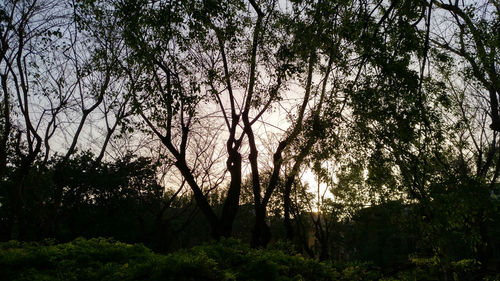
<point x="362" y="137"/>
<point x="106" y="259"/>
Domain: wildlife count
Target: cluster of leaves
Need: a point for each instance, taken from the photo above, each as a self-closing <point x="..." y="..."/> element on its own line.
<point x="95" y="259"/>
<point x="430" y="269"/>
<point x="104" y="259"/>
<point x="443" y="241"/>
<point x="118" y="199"/>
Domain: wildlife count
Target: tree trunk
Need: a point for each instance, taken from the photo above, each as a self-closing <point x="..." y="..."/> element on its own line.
<point x="484" y="249"/>
<point x="287" y="204"/>
<point x="17" y="194"/>
<point x="261" y="234"/>
<point x="232" y="201"/>
<point x="6" y="129"/>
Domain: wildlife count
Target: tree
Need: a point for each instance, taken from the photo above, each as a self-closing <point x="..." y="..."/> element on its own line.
<point x="474" y="43"/>
<point x="242" y="66"/>
<point x="398" y="113"/>
<point x="5" y="124"/>
<point x="52" y="84"/>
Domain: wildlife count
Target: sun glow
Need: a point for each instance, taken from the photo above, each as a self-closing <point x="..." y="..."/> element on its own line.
<point x="321" y="190"/>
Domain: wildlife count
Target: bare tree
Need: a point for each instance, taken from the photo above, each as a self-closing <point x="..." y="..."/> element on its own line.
<point x="54" y="83"/>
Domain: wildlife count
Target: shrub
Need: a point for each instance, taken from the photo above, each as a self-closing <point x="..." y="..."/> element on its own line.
<point x="109" y="260"/>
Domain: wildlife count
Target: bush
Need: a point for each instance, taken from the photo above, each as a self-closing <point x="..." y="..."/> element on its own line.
<point x="105" y="259"/>
<point x="94" y="259"/>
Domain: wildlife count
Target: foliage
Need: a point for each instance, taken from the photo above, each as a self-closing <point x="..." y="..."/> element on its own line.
<point x="397" y="117"/>
<point x="105" y="259"/>
<point x="120" y="199"/>
<point x="382" y="235"/>
<point x="228" y="259"/>
<point x="95" y="259"/>
<point x="357" y="271"/>
<point x="429" y="269"/>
